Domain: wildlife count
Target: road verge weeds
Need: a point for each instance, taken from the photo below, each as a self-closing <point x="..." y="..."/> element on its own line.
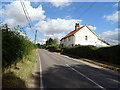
<point x="18" y="76"/>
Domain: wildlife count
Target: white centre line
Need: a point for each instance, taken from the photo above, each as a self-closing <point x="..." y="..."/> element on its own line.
<point x="86" y="77"/>
<point x="41" y="81"/>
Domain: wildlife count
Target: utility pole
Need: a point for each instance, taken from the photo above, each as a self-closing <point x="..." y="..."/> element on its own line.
<point x="35" y="36"/>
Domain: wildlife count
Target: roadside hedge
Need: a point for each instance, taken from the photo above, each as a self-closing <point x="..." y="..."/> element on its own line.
<point x="53" y="48"/>
<point x="14" y="47"/>
<point x="107" y="54"/>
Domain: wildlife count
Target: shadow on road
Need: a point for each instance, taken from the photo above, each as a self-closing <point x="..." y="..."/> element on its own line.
<point x="64" y="77"/>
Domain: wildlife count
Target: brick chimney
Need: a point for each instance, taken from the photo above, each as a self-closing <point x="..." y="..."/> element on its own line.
<point x="77" y="26"/>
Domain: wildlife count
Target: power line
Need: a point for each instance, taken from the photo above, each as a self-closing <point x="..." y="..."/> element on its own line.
<point x="80" y="7"/>
<point x="27" y="12"/>
<point x="30" y="21"/>
<point x="84" y="11"/>
<point x="24" y="9"/>
<point x="27" y="17"/>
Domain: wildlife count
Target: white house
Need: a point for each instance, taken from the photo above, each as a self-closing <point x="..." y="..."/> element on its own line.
<point x="82" y="35"/>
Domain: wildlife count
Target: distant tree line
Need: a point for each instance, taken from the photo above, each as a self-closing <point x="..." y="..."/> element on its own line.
<point x="51" y="45"/>
<point x="51" y="41"/>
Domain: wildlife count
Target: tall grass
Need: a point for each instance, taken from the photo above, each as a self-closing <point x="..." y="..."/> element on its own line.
<point x="14" y="47"/>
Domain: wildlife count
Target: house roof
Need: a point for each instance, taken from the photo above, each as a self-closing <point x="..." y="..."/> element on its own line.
<point x="73" y="32"/>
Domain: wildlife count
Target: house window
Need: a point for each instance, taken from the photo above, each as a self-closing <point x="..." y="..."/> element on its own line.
<point x="66" y="40"/>
<point x="69" y="38"/>
<point x="86" y="37"/>
<point x="72" y="45"/>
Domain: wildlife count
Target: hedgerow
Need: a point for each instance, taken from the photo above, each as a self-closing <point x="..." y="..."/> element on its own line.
<point x="107" y="54"/>
<point x="14" y="47"/>
<point x="53" y="48"/>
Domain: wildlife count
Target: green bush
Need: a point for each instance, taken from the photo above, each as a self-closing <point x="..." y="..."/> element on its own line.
<point x="53" y="48"/>
<point x="14" y="47"/>
<point x="108" y="54"/>
<point x="41" y="46"/>
<point x="81" y="51"/>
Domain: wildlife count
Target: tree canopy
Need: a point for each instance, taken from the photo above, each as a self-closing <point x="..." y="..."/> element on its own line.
<point x="51" y="41"/>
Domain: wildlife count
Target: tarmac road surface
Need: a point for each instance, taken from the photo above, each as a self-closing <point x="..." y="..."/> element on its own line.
<point x="58" y="71"/>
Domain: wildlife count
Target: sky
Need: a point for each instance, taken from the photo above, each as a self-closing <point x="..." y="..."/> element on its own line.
<point x="56" y="19"/>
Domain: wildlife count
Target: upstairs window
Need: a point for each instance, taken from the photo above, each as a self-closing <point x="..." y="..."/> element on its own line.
<point x="86" y="37"/>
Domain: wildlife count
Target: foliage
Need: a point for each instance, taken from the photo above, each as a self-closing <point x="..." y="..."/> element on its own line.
<point x="51" y="41"/>
<point x="108" y="54"/>
<point x="19" y="76"/>
<point x="51" y="45"/>
<point x="53" y="48"/>
<point x="41" y="46"/>
<point x="14" y="46"/>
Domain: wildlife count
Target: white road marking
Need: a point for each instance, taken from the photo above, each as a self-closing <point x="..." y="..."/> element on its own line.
<point x="87" y="63"/>
<point x="41" y="81"/>
<point x="86" y="77"/>
<point x="92" y="65"/>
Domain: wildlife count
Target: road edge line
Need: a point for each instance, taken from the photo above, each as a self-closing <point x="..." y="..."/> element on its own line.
<point x="41" y="81"/>
<point x="86" y="77"/>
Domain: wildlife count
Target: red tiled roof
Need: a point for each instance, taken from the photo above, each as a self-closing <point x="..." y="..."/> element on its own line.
<point x="71" y="33"/>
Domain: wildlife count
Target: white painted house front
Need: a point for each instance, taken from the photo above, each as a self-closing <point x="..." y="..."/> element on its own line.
<point x="81" y="35"/>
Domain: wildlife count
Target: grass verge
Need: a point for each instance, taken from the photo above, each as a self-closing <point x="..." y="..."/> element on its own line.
<point x="18" y="76"/>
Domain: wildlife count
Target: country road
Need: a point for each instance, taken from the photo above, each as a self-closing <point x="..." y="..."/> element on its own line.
<point x="58" y="71"/>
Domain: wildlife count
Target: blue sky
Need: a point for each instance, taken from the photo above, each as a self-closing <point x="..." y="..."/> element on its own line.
<point x="101" y="16"/>
<point x="90" y="12"/>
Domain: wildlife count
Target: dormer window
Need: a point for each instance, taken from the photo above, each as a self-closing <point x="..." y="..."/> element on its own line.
<point x="86" y="37"/>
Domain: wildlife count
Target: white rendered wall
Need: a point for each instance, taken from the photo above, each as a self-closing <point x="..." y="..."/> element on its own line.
<point x="79" y="38"/>
<point x="92" y="38"/>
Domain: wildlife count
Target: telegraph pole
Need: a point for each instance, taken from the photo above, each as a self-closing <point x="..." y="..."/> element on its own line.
<point x="35" y="36"/>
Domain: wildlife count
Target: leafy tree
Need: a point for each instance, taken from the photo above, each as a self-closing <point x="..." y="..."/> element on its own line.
<point x="51" y="41"/>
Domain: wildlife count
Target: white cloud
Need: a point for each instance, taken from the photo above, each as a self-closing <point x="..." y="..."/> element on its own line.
<point x="92" y="27"/>
<point x="111" y="37"/>
<point x="1" y="10"/>
<point x="60" y="3"/>
<point x="46" y="36"/>
<point x="116" y="5"/>
<point x="14" y="15"/>
<point x="41" y="40"/>
<point x="55" y="28"/>
<point x="57" y="25"/>
<point x="113" y="17"/>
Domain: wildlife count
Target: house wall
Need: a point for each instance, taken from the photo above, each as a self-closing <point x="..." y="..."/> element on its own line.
<point x="81" y="34"/>
<point x="92" y="38"/>
<point x="79" y="38"/>
<point x="99" y="43"/>
<point x="69" y="41"/>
